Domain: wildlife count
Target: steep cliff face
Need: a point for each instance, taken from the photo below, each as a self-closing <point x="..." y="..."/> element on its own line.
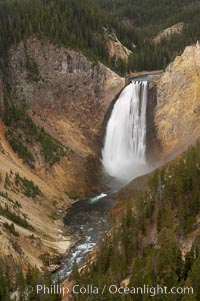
<point x="68" y="95"/>
<point x="29" y="206"/>
<point x="177" y="115"/>
<point x="153" y="148"/>
<point x="27" y="218"/>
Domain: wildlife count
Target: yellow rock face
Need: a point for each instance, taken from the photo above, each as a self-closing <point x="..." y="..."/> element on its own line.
<point x="177" y="115"/>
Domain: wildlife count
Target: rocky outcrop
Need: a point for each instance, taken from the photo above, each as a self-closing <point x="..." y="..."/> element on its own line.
<point x="177" y="115"/>
<point x="175" y="29"/>
<point x="115" y="47"/>
<point x="68" y="95"/>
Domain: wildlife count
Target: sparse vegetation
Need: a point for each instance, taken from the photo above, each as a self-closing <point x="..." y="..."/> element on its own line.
<point x="12" y="216"/>
<point x="7" y="181"/>
<point x="28" y="187"/>
<point x="22" y="133"/>
<point x="11" y="229"/>
<point x="72" y="194"/>
<point x="32" y="70"/>
<point x="51" y="149"/>
<point x="45" y="257"/>
<point x="19" y="148"/>
<point x="5" y="195"/>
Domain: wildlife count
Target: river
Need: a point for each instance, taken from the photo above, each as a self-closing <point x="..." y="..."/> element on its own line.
<point x="90" y="219"/>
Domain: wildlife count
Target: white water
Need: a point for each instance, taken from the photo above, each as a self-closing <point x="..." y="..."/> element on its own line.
<point x="98" y="197"/>
<point x="123" y="155"/>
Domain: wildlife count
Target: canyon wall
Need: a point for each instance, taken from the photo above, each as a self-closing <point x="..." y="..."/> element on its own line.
<point x="153" y="147"/>
<point x="177" y="115"/>
<point x="69" y="97"/>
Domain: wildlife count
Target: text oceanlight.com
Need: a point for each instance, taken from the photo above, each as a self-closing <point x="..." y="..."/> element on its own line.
<point x="113" y="289"/>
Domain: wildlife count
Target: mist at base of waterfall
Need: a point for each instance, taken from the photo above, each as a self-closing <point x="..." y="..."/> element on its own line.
<point x="120" y="174"/>
<point x="126" y="171"/>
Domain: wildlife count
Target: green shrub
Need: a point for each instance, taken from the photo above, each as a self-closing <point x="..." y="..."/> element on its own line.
<point x="11" y="228"/>
<point x="72" y="194"/>
<point x="22" y="133"/>
<point x="29" y="188"/>
<point x="32" y="70"/>
<point x="17" y="219"/>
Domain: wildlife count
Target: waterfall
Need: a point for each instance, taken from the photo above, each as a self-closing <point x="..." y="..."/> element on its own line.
<point x="123" y="154"/>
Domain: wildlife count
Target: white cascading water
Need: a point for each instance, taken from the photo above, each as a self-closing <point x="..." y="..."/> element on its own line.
<point x="123" y="154"/>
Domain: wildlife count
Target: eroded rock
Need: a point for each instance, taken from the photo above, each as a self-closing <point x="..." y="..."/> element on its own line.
<point x="177" y="115"/>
